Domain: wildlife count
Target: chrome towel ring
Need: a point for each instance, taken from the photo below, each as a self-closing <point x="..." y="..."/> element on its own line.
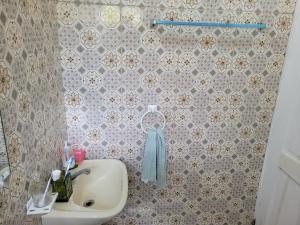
<point x="152" y="109"/>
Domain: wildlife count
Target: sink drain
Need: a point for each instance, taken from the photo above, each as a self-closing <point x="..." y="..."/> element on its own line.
<point x="88" y="203"/>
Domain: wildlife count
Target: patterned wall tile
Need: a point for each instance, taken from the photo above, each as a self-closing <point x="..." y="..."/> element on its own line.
<point x="31" y="100"/>
<point x="216" y="86"/>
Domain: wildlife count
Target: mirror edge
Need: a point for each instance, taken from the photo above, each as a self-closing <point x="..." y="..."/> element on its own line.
<point x="6" y="171"/>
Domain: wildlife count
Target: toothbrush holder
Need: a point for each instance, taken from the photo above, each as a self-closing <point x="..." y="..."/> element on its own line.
<point x="63" y="187"/>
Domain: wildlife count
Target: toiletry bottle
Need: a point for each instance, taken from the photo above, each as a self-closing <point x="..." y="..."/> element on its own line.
<point x="65" y="155"/>
<point x="78" y="153"/>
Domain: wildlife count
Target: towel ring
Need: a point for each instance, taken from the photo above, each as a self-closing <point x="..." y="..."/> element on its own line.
<point x="152" y="109"/>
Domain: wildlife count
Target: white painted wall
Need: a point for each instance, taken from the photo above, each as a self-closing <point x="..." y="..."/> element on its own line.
<point x="284" y="135"/>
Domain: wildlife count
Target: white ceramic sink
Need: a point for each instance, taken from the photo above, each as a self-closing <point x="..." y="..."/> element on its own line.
<point x="106" y="185"/>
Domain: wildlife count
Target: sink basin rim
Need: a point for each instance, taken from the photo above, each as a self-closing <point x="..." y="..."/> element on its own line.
<point x="94" y="213"/>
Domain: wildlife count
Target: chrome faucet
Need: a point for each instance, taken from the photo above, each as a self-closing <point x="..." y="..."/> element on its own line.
<point x="83" y="171"/>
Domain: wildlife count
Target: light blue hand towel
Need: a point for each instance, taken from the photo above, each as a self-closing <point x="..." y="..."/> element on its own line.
<point x="149" y="164"/>
<point x="154" y="166"/>
<point x="161" y="159"/>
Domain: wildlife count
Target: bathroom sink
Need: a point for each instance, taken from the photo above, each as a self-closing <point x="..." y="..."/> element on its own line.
<point x="97" y="197"/>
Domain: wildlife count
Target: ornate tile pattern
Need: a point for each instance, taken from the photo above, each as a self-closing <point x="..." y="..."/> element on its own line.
<point x="217" y="87"/>
<point x="31" y="100"/>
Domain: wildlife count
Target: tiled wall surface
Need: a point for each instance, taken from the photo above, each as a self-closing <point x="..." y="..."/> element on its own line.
<point x="31" y="100"/>
<point x="217" y="87"/>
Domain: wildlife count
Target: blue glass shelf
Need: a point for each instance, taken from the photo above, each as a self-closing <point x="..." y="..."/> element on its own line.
<point x="209" y="24"/>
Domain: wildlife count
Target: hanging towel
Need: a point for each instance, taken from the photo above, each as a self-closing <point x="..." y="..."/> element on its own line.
<point x="161" y="159"/>
<point x="149" y="164"/>
<point x="154" y="166"/>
